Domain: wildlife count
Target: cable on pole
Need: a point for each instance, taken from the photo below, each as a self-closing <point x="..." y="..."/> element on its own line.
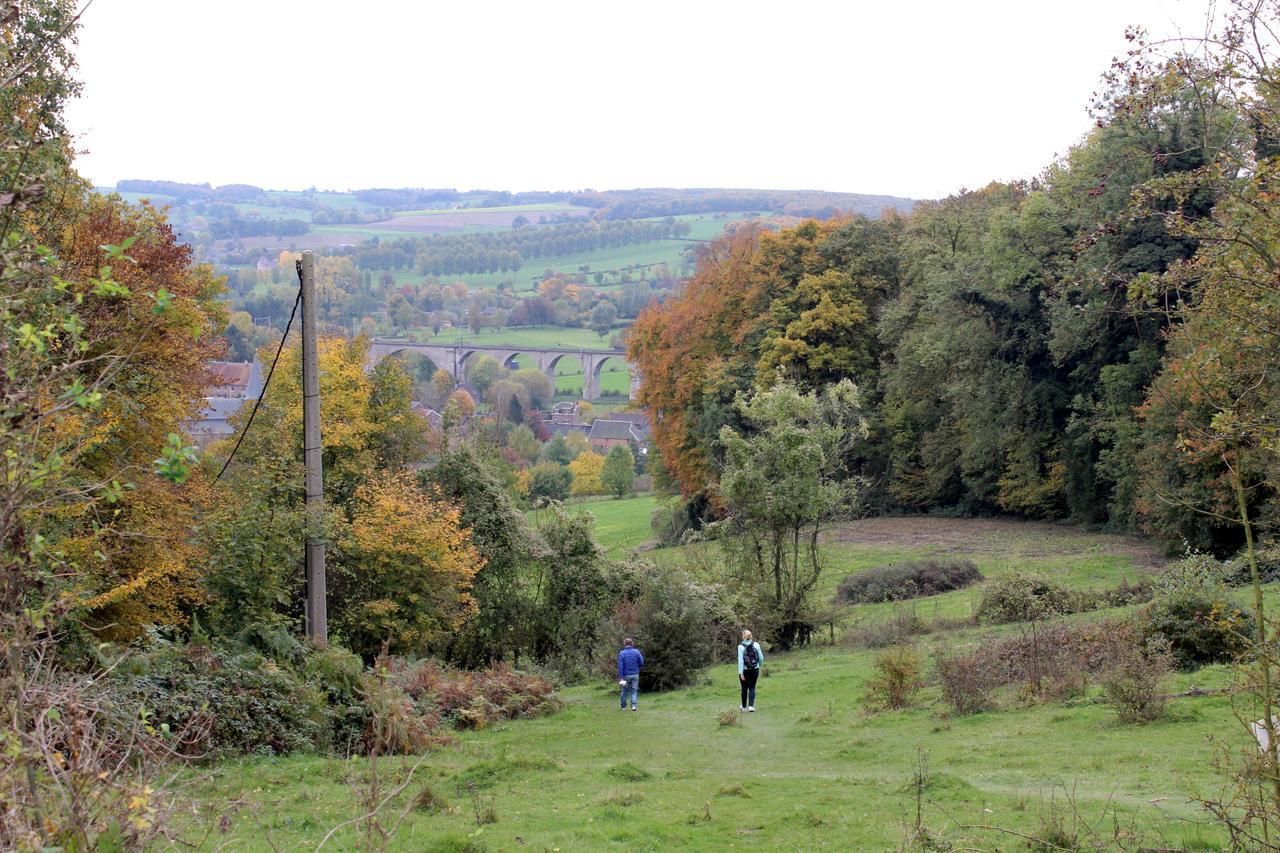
<point x="267" y="383"/>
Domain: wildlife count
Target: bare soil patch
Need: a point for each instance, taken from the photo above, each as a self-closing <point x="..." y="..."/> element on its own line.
<point x="1000" y="536"/>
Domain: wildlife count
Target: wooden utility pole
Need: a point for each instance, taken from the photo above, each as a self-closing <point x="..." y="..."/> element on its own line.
<point x="317" y="608"/>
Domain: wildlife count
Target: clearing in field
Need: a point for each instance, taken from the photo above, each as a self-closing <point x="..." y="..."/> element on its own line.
<point x="816" y="766"/>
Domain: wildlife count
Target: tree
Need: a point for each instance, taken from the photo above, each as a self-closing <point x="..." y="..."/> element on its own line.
<point x="408" y="584"/>
<point x="618" y="474"/>
<point x="485" y="370"/>
<point x="603" y="317"/>
<point x="780" y="483"/>
<point x="536" y="384"/>
<point x="587" y="468"/>
<point x="512" y="551"/>
<point x="549" y="481"/>
<point x="442" y="383"/>
<point x="509" y="400"/>
<point x="557" y="450"/>
<point x="522" y="440"/>
<point x="466" y="405"/>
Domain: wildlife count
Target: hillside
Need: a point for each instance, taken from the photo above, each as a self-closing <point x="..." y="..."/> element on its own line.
<point x="815" y="767"/>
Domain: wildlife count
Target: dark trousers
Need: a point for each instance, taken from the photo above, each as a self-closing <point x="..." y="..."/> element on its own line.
<point x="748" y="682"/>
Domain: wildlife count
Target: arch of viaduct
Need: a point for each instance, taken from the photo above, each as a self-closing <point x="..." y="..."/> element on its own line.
<point x="452" y="358"/>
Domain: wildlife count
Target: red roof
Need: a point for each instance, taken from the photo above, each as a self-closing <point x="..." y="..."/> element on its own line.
<point x="235" y="373"/>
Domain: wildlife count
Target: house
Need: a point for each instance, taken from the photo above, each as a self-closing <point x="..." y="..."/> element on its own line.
<point x="566" y="413"/>
<point x="608" y="434"/>
<point x="639" y="420"/>
<point x="434" y="418"/>
<point x="566" y="430"/>
<point x="233" y="383"/>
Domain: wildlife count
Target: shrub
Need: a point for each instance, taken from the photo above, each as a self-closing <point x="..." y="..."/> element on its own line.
<point x="1022" y="597"/>
<point x="1200" y="626"/>
<point x="1132" y="682"/>
<point x="966" y="685"/>
<point x="897" y="678"/>
<point x="1055" y="657"/>
<point x="473" y="700"/>
<point x="680" y="624"/>
<point x="245" y="702"/>
<point x="915" y="579"/>
<point x="669" y="522"/>
<point x="900" y="626"/>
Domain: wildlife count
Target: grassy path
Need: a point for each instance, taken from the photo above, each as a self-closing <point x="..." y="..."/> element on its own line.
<point x="814" y="769"/>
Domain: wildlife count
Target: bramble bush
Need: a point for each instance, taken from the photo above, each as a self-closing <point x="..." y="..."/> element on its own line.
<point x="914" y="579"/>
<point x="245" y="703"/>
<point x="1023" y="597"/>
<point x="1202" y="626"/>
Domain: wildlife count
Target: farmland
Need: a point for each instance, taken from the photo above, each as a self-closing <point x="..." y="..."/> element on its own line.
<point x="815" y="767"/>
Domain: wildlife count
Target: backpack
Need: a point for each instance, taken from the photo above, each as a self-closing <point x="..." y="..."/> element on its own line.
<point x="750" y="656"/>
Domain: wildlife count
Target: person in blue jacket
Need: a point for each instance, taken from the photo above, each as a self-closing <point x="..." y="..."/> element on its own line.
<point x="750" y="659"/>
<point x="629" y="662"/>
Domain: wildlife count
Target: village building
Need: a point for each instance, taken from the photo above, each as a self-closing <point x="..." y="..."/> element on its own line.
<point x="233" y="383"/>
<point x="608" y="434"/>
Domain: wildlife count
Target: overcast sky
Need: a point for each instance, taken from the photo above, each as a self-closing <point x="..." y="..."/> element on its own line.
<point x="914" y="99"/>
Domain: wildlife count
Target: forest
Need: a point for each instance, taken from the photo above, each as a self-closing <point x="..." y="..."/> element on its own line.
<point x="1095" y="343"/>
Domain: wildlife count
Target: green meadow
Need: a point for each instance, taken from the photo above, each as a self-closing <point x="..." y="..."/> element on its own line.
<point x="815" y="768"/>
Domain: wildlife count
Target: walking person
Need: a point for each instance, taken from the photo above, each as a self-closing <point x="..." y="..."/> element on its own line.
<point x="629" y="662"/>
<point x="750" y="659"/>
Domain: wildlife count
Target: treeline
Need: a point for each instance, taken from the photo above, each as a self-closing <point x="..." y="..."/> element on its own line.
<point x="505" y="251"/>
<point x="409" y="199"/>
<point x="632" y="204"/>
<point x="1097" y="344"/>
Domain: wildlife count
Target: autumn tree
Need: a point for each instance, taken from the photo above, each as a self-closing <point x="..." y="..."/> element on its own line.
<point x="406" y="583"/>
<point x="587" y="468"/>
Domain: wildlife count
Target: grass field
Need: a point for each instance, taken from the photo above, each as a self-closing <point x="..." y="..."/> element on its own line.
<point x="621" y="525"/>
<point x="670" y="252"/>
<point x="813" y="769"/>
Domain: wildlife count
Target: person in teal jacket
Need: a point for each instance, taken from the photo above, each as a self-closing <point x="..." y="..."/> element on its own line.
<point x="750" y="659"/>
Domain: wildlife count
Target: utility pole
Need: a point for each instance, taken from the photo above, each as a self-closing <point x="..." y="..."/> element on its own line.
<point x="317" y="608"/>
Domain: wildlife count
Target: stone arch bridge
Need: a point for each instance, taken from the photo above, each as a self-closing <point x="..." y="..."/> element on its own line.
<point x="453" y="358"/>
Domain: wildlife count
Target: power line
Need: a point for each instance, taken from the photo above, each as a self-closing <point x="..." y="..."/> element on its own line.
<point x="266" y="384"/>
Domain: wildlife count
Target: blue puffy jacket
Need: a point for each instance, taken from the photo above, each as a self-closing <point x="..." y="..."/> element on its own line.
<point x="629" y="662"/>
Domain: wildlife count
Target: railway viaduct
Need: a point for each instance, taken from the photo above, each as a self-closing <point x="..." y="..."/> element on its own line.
<point x="452" y="358"/>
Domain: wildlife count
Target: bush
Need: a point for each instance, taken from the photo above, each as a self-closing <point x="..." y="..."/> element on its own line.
<point x="1022" y="597"/>
<point x="244" y="702"/>
<point x="966" y="685"/>
<point x="1055" y="658"/>
<point x="897" y="678"/>
<point x="1200" y="626"/>
<point x="680" y="624"/>
<point x="473" y="700"/>
<point x="1132" y="682"/>
<point x="915" y="579"/>
<point x="669" y="521"/>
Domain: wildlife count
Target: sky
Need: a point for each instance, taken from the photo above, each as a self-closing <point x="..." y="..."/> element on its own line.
<point x="911" y="99"/>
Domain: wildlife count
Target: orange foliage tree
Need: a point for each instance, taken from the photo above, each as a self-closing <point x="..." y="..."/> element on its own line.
<point x="795" y="305"/>
<point x="160" y="322"/>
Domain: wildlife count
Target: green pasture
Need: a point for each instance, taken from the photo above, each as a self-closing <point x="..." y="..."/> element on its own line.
<point x="620" y="524"/>
<point x="815" y="768"/>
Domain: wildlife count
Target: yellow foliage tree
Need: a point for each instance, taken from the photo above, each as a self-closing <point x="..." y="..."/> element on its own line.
<point x="406" y="582"/>
<point x="586" y="474"/>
